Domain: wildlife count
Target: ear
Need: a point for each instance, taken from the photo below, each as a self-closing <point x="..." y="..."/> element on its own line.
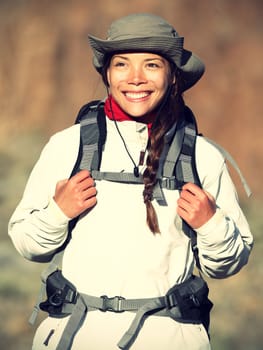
<point x="172" y="74"/>
<point x="107" y="78"/>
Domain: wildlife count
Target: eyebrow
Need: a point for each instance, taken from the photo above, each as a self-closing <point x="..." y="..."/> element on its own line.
<point x="147" y="59"/>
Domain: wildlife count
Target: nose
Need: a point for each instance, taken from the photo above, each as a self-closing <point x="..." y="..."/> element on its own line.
<point x="136" y="76"/>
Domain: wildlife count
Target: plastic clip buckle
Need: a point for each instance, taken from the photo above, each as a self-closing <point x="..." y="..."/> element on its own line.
<point x="113" y="304"/>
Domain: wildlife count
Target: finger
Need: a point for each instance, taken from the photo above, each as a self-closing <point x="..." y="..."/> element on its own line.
<point x="80" y="176"/>
<point x="189" y="202"/>
<point x="184" y="209"/>
<point x="81" y="181"/>
<point x="183" y="213"/>
<point x="89" y="193"/>
<point x="192" y="188"/>
<point x="197" y="193"/>
<point x="185" y="201"/>
<point x="90" y="202"/>
<point x="187" y="196"/>
<point x="85" y="184"/>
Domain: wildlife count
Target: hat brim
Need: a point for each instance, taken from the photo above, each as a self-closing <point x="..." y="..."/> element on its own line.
<point x="190" y="65"/>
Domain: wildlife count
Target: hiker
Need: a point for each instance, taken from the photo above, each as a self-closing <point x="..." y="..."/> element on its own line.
<point x="127" y="273"/>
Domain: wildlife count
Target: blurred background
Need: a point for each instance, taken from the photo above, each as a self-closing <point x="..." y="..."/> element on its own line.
<point x="46" y="75"/>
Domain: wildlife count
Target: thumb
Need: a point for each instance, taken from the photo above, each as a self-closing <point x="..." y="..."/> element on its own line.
<point x="60" y="185"/>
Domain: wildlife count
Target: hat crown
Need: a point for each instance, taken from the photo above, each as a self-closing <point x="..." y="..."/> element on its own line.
<point x="144" y="32"/>
<point x="140" y="25"/>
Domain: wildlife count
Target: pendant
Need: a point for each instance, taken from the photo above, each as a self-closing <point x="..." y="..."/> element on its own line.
<point x="136" y="172"/>
<point x="141" y="159"/>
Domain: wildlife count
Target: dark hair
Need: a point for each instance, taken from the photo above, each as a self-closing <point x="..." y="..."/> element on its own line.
<point x="171" y="112"/>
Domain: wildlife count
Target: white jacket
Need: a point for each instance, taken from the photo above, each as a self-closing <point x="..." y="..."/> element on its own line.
<point x="112" y="252"/>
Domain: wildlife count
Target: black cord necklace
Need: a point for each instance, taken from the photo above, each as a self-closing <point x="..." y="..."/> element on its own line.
<point x="142" y="154"/>
<point x="136" y="167"/>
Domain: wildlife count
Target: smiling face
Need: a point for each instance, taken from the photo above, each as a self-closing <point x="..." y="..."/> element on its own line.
<point x="138" y="81"/>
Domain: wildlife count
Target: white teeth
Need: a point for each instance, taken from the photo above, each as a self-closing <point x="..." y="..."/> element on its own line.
<point x="136" y="95"/>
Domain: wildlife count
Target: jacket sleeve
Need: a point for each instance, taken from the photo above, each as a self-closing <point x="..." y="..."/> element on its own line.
<point x="38" y="227"/>
<point x="225" y="241"/>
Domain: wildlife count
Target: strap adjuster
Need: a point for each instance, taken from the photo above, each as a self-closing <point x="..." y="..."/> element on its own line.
<point x="171" y="183"/>
<point x="113" y="304"/>
<point x="170" y="300"/>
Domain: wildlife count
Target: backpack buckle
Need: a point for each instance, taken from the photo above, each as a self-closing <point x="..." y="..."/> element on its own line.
<point x="169" y="183"/>
<point x="172" y="183"/>
<point x="113" y="304"/>
<point x="170" y="300"/>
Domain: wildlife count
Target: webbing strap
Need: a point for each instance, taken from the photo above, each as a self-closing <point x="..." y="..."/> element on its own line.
<point x="51" y="267"/>
<point x="131" y="334"/>
<point x="173" y="153"/>
<point x="159" y="306"/>
<point x="78" y="314"/>
<point x="117" y="177"/>
<point x="158" y="194"/>
<point x="184" y="167"/>
<point x="36" y="309"/>
<point x="90" y="132"/>
<point x="231" y="160"/>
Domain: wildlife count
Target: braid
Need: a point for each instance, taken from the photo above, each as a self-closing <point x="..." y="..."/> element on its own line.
<point x="170" y="113"/>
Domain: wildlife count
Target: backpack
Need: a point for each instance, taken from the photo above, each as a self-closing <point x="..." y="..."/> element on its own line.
<point x="177" y="163"/>
<point x="177" y="167"/>
<point x="178" y="158"/>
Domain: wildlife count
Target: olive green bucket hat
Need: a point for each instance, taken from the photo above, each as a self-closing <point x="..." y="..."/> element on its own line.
<point x="144" y="32"/>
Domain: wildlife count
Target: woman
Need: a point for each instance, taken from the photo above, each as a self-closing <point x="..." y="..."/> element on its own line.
<point x="116" y="248"/>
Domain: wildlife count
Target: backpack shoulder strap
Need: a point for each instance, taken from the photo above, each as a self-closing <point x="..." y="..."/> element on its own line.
<point x="185" y="167"/>
<point x="185" y="171"/>
<point x="92" y="122"/>
<point x="180" y="162"/>
<point x="180" y="167"/>
<point x="91" y="118"/>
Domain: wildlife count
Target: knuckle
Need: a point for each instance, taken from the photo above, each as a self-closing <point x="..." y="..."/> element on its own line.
<point x="91" y="182"/>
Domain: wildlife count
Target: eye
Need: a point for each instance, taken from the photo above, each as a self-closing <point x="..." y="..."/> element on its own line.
<point x="153" y="65"/>
<point x="119" y="64"/>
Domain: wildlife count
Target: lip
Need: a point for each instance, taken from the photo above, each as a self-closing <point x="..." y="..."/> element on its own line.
<point x="137" y="95"/>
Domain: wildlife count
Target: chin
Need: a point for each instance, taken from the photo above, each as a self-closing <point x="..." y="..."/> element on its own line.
<point x="137" y="113"/>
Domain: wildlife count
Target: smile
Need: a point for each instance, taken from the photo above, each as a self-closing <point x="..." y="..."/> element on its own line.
<point x="136" y="95"/>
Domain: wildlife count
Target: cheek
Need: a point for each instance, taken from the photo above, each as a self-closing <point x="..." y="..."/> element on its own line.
<point x="163" y="81"/>
<point x="162" y="87"/>
<point x="112" y="81"/>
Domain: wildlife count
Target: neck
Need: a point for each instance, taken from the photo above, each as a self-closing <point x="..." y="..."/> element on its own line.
<point x="114" y="112"/>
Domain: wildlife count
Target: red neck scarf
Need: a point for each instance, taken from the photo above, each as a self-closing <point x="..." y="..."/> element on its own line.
<point x="114" y="112"/>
